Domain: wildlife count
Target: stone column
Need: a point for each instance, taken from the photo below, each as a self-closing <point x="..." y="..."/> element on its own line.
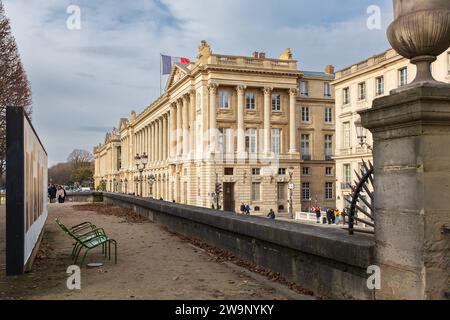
<point x="185" y="132"/>
<point x="212" y="117"/>
<point x="160" y="139"/>
<point x="267" y="116"/>
<point x="192" y="117"/>
<point x="292" y="123"/>
<point x="240" y="122"/>
<point x="172" y="133"/>
<point x="157" y="140"/>
<point x="164" y="135"/>
<point x="411" y="131"/>
<point x="179" y="127"/>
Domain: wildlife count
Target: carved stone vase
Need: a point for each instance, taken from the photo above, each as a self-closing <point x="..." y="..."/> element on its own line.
<point x="421" y="32"/>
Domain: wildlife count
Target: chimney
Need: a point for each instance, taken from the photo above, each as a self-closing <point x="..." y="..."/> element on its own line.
<point x="256" y="54"/>
<point x="329" y="69"/>
<point x="262" y="55"/>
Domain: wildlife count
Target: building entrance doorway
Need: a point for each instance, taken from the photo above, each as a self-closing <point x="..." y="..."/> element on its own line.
<point x="228" y="197"/>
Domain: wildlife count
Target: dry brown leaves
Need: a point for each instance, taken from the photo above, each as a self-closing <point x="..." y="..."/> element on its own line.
<point x="223" y="256"/>
<point x="128" y="215"/>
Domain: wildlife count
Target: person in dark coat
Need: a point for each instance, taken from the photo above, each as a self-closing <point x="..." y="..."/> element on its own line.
<point x="271" y="215"/>
<point x="318" y="214"/>
<point x="243" y="208"/>
<point x="52" y="193"/>
<point x="247" y="209"/>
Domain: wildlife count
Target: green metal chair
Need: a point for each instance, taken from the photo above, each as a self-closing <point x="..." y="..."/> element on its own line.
<point x="90" y="240"/>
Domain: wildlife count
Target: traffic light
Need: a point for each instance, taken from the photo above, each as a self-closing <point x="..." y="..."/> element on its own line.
<point x="218" y="188"/>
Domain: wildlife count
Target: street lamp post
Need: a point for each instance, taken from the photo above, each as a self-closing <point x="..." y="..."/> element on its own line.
<point x="360" y="133"/>
<point x="291" y="190"/>
<point x="151" y="181"/>
<point x="141" y="163"/>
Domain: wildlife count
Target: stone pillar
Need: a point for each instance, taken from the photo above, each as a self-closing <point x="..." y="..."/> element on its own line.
<point x="267" y="115"/>
<point x="153" y="142"/>
<point x="160" y="139"/>
<point x="411" y="131"/>
<point x="240" y="122"/>
<point x="185" y="132"/>
<point x="164" y="136"/>
<point x="179" y="131"/>
<point x="172" y="133"/>
<point x="157" y="140"/>
<point x="212" y="117"/>
<point x="292" y="123"/>
<point x="192" y="117"/>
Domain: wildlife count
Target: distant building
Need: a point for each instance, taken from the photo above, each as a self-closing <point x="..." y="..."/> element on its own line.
<point x="355" y="88"/>
<point x="227" y="120"/>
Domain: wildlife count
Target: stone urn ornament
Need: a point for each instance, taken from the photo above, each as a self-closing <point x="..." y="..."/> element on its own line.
<point x="421" y="32"/>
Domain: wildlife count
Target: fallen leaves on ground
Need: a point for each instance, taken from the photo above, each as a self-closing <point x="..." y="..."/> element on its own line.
<point x="226" y="256"/>
<point x="128" y="215"/>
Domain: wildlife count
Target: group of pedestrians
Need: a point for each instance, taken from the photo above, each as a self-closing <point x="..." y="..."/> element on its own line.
<point x="56" y="193"/>
<point x="245" y="209"/>
<point x="333" y="215"/>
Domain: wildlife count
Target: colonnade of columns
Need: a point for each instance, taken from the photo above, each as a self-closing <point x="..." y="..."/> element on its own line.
<point x="267" y="111"/>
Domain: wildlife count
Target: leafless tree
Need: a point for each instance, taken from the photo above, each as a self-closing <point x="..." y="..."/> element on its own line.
<point x="14" y="85"/>
<point x="80" y="158"/>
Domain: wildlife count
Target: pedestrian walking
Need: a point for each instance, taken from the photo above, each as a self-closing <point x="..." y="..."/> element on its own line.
<point x="247" y="209"/>
<point x="337" y="215"/>
<point x="242" y="208"/>
<point x="60" y="194"/>
<point x="318" y="214"/>
<point x="52" y="193"/>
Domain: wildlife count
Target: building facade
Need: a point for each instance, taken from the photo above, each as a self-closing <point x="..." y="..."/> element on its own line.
<point x="355" y="89"/>
<point x="315" y="105"/>
<point x="223" y="120"/>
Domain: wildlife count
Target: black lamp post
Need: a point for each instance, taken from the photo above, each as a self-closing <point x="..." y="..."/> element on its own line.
<point x="151" y="181"/>
<point x="291" y="191"/>
<point x="141" y="163"/>
<point x="360" y="133"/>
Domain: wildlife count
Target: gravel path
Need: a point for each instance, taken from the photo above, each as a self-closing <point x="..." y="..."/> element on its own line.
<point x="153" y="264"/>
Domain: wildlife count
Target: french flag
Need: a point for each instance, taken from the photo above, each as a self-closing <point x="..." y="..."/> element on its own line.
<point x="168" y="62"/>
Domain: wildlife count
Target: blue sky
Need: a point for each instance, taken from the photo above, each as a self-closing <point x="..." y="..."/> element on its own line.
<point x="83" y="81"/>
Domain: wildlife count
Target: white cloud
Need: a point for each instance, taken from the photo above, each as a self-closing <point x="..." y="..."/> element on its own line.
<point x="84" y="81"/>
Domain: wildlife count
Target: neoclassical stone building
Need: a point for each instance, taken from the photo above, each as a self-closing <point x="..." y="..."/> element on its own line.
<point x="356" y="87"/>
<point x="226" y="120"/>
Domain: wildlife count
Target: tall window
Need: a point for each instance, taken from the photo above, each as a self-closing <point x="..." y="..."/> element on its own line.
<point x="306" y="194"/>
<point x="305" y="114"/>
<point x="403" y="77"/>
<point x="304" y="88"/>
<point x="347" y="174"/>
<point x="328" y="190"/>
<point x="379" y="85"/>
<point x="346" y="134"/>
<point x="281" y="191"/>
<point x="346" y="93"/>
<point x="276" y="141"/>
<point x="224" y="97"/>
<point x="250" y="141"/>
<point x="305" y="146"/>
<point x="306" y="171"/>
<point x="256" y="191"/>
<point x="250" y="101"/>
<point x="328" y="147"/>
<point x="326" y="89"/>
<point x="225" y="140"/>
<point x="276" y="102"/>
<point x="328" y="115"/>
<point x="362" y="91"/>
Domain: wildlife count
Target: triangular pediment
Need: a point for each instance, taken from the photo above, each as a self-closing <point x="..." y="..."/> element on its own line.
<point x="178" y="73"/>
